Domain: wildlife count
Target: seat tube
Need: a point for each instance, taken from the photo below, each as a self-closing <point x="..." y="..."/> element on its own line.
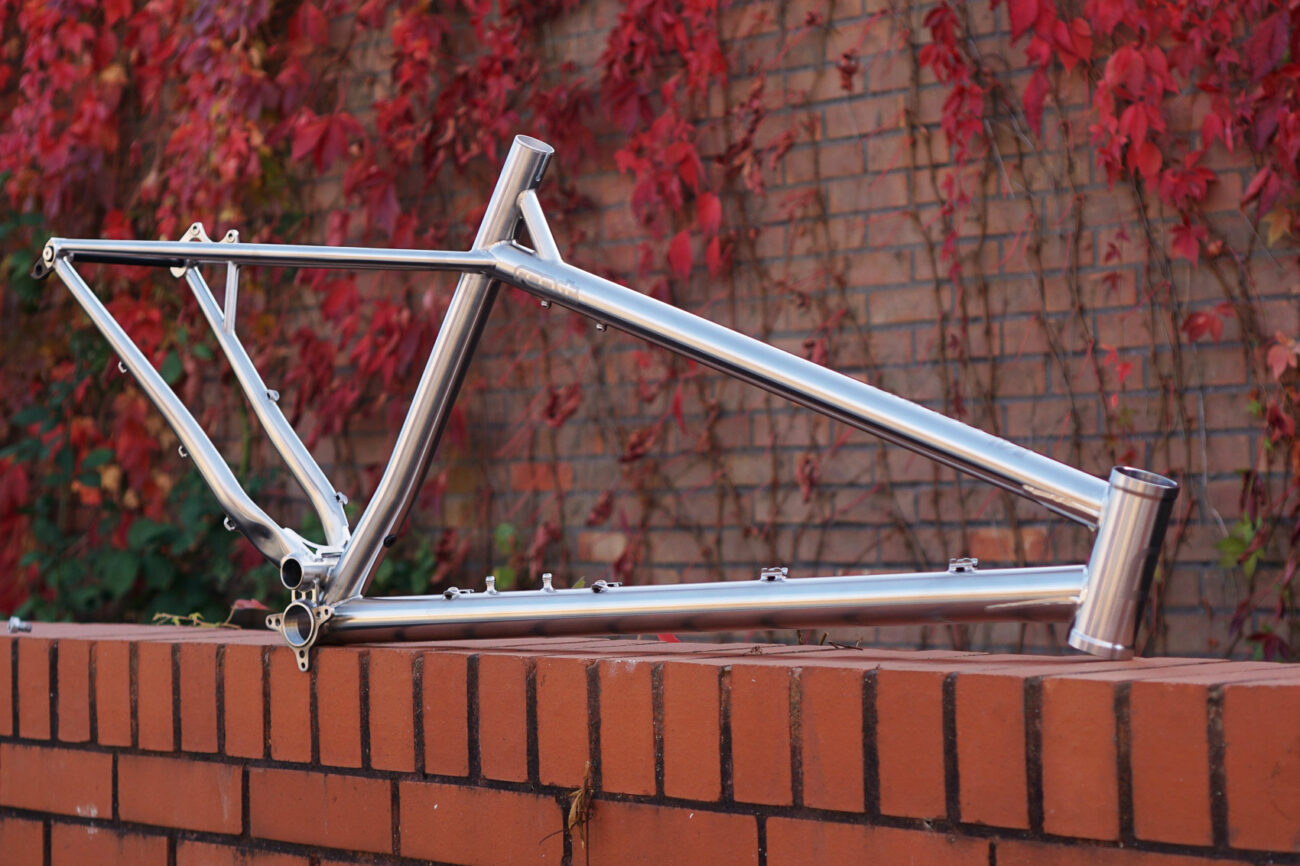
<point x="436" y="394"/>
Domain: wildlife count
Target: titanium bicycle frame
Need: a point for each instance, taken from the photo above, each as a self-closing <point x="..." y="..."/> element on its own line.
<point x="328" y="581"/>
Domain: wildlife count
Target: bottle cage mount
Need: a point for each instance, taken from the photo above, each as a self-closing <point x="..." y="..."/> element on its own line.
<point x="327" y="581"/>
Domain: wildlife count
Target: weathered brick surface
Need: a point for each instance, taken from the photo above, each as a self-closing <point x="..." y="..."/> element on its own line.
<point x="176" y="792"/>
<point x="479" y="826"/>
<point x="692" y="717"/>
<point x="243" y="677"/>
<point x="909" y="736"/>
<point x="73" y="688"/>
<point x="155" y="706"/>
<point x="392" y="710"/>
<point x="290" y="693"/>
<point x="22" y="841"/>
<point x="1080" y="786"/>
<point x="338" y="702"/>
<point x="446" y="714"/>
<point x="503" y="717"/>
<point x="198" y="696"/>
<point x="335" y="811"/>
<point x="237" y="854"/>
<point x="563" y="744"/>
<point x="34" y="697"/>
<point x="790" y="749"/>
<point x="78" y="844"/>
<point x="760" y="734"/>
<point x="60" y="781"/>
<point x="634" y="833"/>
<point x="627" y="747"/>
<point x="792" y="841"/>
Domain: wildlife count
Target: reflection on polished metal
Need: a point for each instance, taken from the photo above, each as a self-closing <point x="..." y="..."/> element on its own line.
<point x="328" y="581"/>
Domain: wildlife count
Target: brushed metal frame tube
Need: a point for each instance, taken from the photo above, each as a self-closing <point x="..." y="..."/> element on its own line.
<point x="1130" y="511"/>
<point x="431" y="406"/>
<point x="1020" y="594"/>
<point x="320" y="492"/>
<point x="1058" y="487"/>
<point x="187" y="253"/>
<point x="273" y="541"/>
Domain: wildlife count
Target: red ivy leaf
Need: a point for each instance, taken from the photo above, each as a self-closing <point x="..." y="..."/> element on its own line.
<point x="1187" y="244"/>
<point x="1281" y="356"/>
<point x="679" y="254"/>
<point x="1146" y="158"/>
<point x="708" y="210"/>
<point x="1035" y="92"/>
<point x="1105" y="14"/>
<point x="1023" y="15"/>
<point x="715" y="257"/>
<point x="1202" y="322"/>
<point x="115" y="10"/>
<point x="1267" y="46"/>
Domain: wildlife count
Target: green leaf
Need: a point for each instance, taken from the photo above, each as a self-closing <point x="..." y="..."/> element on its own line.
<point x="97" y="458"/>
<point x="145" y="533"/>
<point x="159" y="573"/>
<point x="505" y="537"/>
<point x="30" y="415"/>
<point x="171" y="369"/>
<point x="202" y="351"/>
<point x="118" y="569"/>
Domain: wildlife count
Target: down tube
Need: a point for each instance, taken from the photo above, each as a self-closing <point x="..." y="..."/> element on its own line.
<point x="1063" y="489"/>
<point x="431" y="405"/>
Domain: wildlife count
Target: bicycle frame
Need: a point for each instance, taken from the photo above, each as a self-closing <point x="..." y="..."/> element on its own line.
<point x="327" y="581"/>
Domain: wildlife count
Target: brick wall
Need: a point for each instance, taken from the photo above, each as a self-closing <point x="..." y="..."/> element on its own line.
<point x="141" y="745"/>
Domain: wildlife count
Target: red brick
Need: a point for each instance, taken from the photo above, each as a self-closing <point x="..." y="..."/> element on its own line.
<point x="74" y="691"/>
<point x="760" y="734"/>
<point x="643" y="833"/>
<point x="627" y="736"/>
<point x="198" y="688"/>
<point x="154" y="696"/>
<point x="792" y="841"/>
<point x="112" y="693"/>
<point x="290" y="694"/>
<point x="22" y="841"/>
<point x="446" y="716"/>
<point x="338" y="705"/>
<point x="503" y="717"/>
<point x="392" y="710"/>
<point x="242" y="673"/>
<point x="1080" y="784"/>
<point x="34" y="688"/>
<point x="1170" y="759"/>
<point x="78" y="845"/>
<point x="478" y="826"/>
<point x="692" y="731"/>
<point x="6" y="687"/>
<point x="1017" y="853"/>
<point x="998" y="544"/>
<point x="207" y="854"/>
<point x="830" y="728"/>
<point x="64" y="781"/>
<point x="333" y="811"/>
<point x="909" y="743"/>
<point x="180" y="792"/>
<point x="991" y="750"/>
<point x="540" y="477"/>
<point x="562" y="743"/>
<point x="1261" y="733"/>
